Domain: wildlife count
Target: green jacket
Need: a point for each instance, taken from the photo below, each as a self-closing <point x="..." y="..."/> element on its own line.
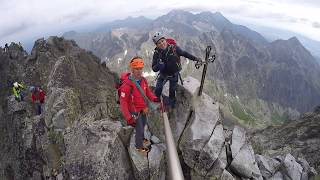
<point x="16" y="91"/>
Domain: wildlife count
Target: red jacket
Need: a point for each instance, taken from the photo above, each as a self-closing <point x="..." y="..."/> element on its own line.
<point x="131" y="99"/>
<point x="40" y="95"/>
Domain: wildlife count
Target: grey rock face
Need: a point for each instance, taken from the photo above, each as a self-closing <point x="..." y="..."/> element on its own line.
<point x="226" y="176"/>
<point x="296" y="137"/>
<point x="277" y="176"/>
<point x="306" y="168"/>
<point x="238" y="140"/>
<point x="75" y="84"/>
<point x="15" y="106"/>
<point x="156" y="158"/>
<point x="244" y="163"/>
<point x="139" y="160"/>
<point x="211" y="151"/>
<point x="291" y="168"/>
<point x="205" y="117"/>
<point x="148" y="165"/>
<point x="95" y="151"/>
<point x="267" y="166"/>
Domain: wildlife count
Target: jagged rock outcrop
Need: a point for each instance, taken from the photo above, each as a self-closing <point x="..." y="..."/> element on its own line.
<point x="75" y="83"/>
<point x="301" y="138"/>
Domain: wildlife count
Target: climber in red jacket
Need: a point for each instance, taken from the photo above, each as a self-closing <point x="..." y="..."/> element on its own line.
<point x="38" y="97"/>
<point x="133" y="103"/>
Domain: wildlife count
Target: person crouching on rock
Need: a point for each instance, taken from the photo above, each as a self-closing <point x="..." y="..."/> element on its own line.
<point x="18" y="91"/>
<point x="134" y="92"/>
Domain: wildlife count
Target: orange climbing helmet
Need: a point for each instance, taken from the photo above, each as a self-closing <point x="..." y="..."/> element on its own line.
<point x="136" y="62"/>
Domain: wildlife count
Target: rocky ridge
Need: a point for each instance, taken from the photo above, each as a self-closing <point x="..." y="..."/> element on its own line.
<point x="81" y="135"/>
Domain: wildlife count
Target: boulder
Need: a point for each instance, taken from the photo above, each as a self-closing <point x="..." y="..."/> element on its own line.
<point x="148" y="165"/>
<point x="198" y="133"/>
<point x="291" y="168"/>
<point x="277" y="176"/>
<point x="211" y="151"/>
<point x="267" y="166"/>
<point x="226" y="176"/>
<point x="156" y="158"/>
<point x="95" y="151"/>
<point x="244" y="163"/>
<point x="219" y="165"/>
<point x="238" y="140"/>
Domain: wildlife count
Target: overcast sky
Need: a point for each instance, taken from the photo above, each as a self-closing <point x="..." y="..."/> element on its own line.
<point x="30" y="19"/>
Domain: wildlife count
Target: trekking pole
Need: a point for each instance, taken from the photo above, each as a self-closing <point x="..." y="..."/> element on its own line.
<point x="175" y="171"/>
<point x="204" y="71"/>
<point x="207" y="60"/>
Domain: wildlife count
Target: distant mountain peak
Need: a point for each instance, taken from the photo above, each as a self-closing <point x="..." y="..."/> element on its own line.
<point x="179" y="14"/>
<point x="179" y="11"/>
<point x="294" y="40"/>
<point x="136" y="18"/>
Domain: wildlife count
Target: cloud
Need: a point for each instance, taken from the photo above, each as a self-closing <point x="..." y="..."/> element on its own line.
<point x="46" y="15"/>
<point x="16" y="28"/>
<point x="75" y="17"/>
<point x="316" y="24"/>
<point x="312" y="3"/>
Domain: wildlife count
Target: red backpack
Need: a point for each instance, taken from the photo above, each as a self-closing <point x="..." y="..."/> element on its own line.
<point x="118" y="83"/>
<point x="173" y="43"/>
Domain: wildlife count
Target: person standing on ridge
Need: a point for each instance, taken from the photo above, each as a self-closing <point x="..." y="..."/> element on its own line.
<point x="135" y="96"/>
<point x="6" y="48"/>
<point x="20" y="46"/>
<point x="166" y="59"/>
<point x="38" y="97"/>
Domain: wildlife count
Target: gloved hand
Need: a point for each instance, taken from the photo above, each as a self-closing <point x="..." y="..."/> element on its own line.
<point x="132" y="121"/>
<point x="157" y="100"/>
<point x="132" y="124"/>
<point x="198" y="59"/>
<point x="161" y="65"/>
<point x="145" y="110"/>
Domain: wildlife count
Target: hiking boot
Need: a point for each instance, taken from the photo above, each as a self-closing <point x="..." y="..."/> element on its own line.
<point x="146" y="142"/>
<point x="143" y="150"/>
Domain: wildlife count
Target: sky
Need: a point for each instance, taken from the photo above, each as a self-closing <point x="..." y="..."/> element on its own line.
<point x="31" y="19"/>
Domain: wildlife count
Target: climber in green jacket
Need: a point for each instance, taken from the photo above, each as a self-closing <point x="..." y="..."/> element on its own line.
<point x="18" y="91"/>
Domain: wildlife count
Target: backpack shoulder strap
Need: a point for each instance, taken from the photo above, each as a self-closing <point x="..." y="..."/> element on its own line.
<point x="147" y="101"/>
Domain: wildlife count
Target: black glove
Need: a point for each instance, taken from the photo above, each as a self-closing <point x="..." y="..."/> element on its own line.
<point x="132" y="124"/>
<point x="161" y="65"/>
<point x="157" y="100"/>
<point x="197" y="59"/>
<point x="133" y="120"/>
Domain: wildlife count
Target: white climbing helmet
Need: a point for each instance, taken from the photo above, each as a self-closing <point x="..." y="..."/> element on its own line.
<point x="157" y="36"/>
<point x="15" y="84"/>
<point x="32" y="88"/>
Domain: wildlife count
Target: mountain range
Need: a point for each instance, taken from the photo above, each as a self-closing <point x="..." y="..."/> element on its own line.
<point x="257" y="81"/>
